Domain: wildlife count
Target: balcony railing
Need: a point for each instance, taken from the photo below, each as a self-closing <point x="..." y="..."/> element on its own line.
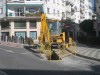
<point x="21" y="14"/>
<point x="11" y="1"/>
<point x="33" y="0"/>
<point x="19" y="27"/>
<point x="6" y="28"/>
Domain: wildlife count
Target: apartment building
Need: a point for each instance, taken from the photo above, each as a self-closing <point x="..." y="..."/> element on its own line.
<point x="88" y="9"/>
<point x="76" y="14"/>
<point x="54" y="9"/>
<point x="22" y="17"/>
<point x="68" y="6"/>
<point x="97" y="7"/>
<point x="79" y="10"/>
<point x="97" y="17"/>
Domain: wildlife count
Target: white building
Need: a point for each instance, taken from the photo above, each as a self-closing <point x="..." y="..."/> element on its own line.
<point x="97" y="7"/>
<point x="88" y="9"/>
<point x="54" y="9"/>
<point x="97" y="17"/>
<point x="68" y="6"/>
<point x="76" y="11"/>
<point x="23" y="17"/>
<point x="80" y="10"/>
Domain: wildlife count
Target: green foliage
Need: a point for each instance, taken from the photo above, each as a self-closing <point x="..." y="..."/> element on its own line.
<point x="29" y="15"/>
<point x="87" y="26"/>
<point x="30" y="41"/>
<point x="89" y="40"/>
<point x="33" y="14"/>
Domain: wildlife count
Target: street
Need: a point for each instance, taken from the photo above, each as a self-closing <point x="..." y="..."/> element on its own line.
<point x="19" y="61"/>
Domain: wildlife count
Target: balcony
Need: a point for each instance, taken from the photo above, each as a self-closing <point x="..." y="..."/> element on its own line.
<point x="15" y="1"/>
<point x="71" y="2"/>
<point x="25" y="1"/>
<point x="21" y="14"/>
<point x="34" y="1"/>
<point x="24" y="15"/>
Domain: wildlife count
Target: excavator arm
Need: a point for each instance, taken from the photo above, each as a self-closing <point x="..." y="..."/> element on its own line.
<point x="44" y="31"/>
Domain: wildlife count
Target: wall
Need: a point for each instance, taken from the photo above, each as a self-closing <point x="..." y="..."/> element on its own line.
<point x="12" y="30"/>
<point x="57" y="6"/>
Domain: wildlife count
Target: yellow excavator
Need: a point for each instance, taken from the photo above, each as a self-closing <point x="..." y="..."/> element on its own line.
<point x="47" y="41"/>
<point x="45" y="36"/>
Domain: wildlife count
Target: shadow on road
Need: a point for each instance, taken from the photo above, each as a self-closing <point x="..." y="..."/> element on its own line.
<point x="36" y="52"/>
<point x="32" y="49"/>
<point x="88" y="45"/>
<point x="95" y="71"/>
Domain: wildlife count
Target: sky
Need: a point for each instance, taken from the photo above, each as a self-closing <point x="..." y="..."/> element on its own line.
<point x="92" y="5"/>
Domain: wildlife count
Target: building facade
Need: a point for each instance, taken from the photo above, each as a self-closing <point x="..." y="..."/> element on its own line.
<point x="68" y="7"/>
<point x="97" y="9"/>
<point x="54" y="9"/>
<point x="88" y="9"/>
<point x="79" y="10"/>
<point x="23" y="17"/>
<point x="76" y="11"/>
<point x="97" y="17"/>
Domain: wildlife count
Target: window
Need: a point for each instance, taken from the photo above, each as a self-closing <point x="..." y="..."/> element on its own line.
<point x="30" y="10"/>
<point x="1" y="11"/>
<point x="19" y="11"/>
<point x="5" y="25"/>
<point x="57" y="1"/>
<point x="53" y="27"/>
<point x="58" y="12"/>
<point x="32" y="24"/>
<point x="48" y="10"/>
<point x="63" y="15"/>
<point x="46" y="1"/>
<point x="54" y="11"/>
<point x="32" y="0"/>
<point x="23" y="34"/>
<point x="20" y="24"/>
<point x="33" y="34"/>
<point x="53" y="1"/>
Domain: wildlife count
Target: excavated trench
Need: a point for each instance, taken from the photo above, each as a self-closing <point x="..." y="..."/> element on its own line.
<point x="54" y="56"/>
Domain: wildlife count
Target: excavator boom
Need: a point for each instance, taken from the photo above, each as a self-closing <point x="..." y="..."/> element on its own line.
<point x="44" y="31"/>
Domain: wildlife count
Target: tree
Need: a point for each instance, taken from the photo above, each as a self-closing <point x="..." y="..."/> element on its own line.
<point x="87" y="26"/>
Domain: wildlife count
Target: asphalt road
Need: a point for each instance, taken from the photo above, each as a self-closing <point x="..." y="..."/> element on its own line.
<point x="19" y="61"/>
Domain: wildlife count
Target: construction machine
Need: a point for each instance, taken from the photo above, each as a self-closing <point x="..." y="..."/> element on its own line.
<point x="46" y="37"/>
<point x="48" y="41"/>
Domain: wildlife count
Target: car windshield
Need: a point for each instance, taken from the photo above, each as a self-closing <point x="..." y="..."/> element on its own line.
<point x="49" y="37"/>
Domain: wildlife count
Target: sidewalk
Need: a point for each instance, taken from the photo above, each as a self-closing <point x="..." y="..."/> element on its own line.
<point x="88" y="52"/>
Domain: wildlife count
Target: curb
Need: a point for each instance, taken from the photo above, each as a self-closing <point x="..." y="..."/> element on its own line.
<point x="11" y="44"/>
<point x="83" y="56"/>
<point x="91" y="58"/>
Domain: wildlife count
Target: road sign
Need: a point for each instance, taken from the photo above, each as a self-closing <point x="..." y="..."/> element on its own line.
<point x="3" y="9"/>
